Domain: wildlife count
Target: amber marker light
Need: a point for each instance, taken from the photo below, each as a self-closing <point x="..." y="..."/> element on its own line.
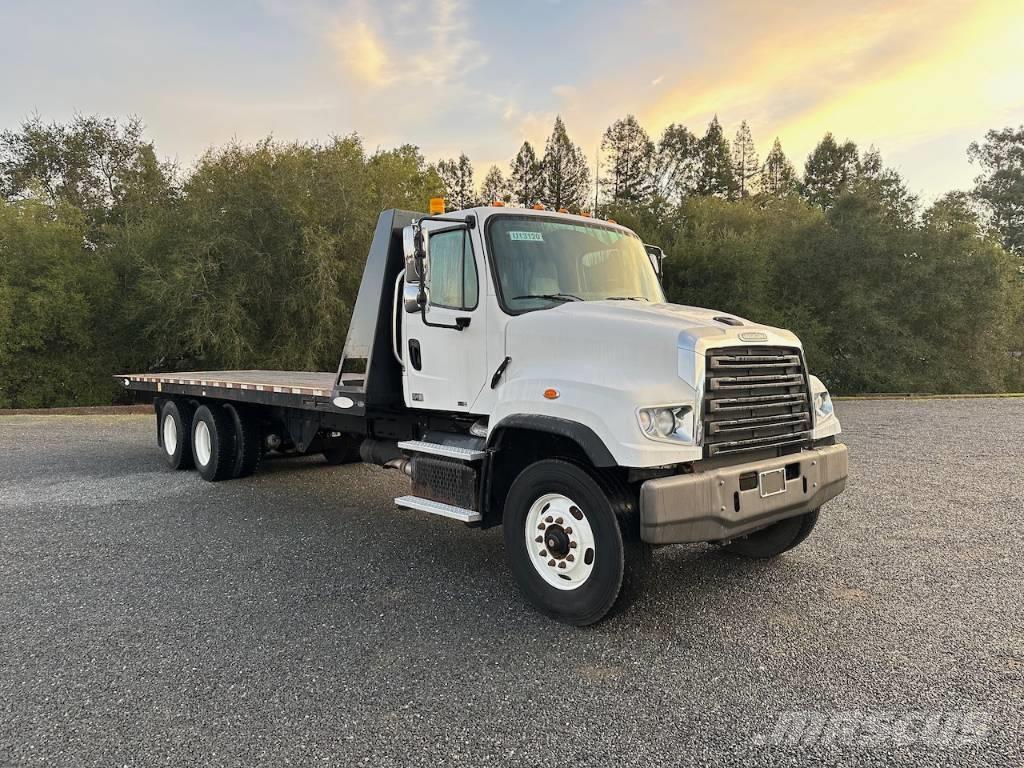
<point x="551" y="394"/>
<point x="436" y="206"/>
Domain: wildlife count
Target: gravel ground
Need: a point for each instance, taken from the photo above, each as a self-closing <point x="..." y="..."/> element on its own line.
<point x="149" y="618"/>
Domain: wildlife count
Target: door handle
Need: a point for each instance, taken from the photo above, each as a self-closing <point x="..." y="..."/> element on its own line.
<point x="415" y="356"/>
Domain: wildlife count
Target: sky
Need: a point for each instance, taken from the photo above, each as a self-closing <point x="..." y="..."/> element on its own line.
<point x="918" y="80"/>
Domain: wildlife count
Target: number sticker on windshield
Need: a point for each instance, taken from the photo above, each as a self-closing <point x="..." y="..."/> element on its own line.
<point x="535" y="237"/>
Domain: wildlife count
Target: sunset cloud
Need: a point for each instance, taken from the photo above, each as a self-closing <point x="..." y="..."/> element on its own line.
<point x="918" y="80"/>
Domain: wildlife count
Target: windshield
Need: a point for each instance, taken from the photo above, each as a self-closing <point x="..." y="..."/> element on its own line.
<point x="542" y="262"/>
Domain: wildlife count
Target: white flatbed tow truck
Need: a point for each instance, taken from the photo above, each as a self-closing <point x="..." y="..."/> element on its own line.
<point x="523" y="368"/>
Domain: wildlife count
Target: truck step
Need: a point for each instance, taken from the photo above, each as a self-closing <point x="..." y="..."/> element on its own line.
<point x="448" y="451"/>
<point x="437" y="508"/>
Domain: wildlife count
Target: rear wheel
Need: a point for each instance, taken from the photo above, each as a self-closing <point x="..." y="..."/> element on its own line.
<point x="213" y="443"/>
<point x="775" y="539"/>
<point x="175" y="431"/>
<point x="248" y="440"/>
<point x="563" y="541"/>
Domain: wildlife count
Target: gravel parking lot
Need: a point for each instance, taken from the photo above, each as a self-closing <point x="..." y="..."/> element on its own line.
<point x="296" y="617"/>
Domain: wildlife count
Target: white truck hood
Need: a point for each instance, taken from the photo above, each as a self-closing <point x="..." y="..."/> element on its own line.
<point x="594" y="363"/>
<point x="638" y="323"/>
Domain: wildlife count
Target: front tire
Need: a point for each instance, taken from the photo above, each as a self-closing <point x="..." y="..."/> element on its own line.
<point x="775" y="539"/>
<point x="563" y="542"/>
<point x="213" y="443"/>
<point x="175" y="433"/>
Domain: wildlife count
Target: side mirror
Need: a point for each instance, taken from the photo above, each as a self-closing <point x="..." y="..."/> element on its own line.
<point x="414" y="244"/>
<point x="657" y="256"/>
<point x="414" y="247"/>
<point x="411" y="298"/>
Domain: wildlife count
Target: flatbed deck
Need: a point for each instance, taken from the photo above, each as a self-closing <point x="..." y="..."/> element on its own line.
<point x="315" y="383"/>
<point x="301" y="390"/>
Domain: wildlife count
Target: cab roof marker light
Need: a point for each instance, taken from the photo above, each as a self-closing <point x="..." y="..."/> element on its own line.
<point x="436" y="206"/>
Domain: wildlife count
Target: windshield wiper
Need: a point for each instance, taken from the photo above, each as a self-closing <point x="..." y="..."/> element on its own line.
<point x="551" y="296"/>
<point x="626" y="298"/>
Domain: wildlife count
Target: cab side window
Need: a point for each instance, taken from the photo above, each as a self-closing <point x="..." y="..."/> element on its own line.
<point x="452" y="277"/>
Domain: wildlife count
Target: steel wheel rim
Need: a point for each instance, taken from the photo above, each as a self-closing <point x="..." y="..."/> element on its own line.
<point x="203" y="443"/>
<point x="560" y="541"/>
<point x="170" y="430"/>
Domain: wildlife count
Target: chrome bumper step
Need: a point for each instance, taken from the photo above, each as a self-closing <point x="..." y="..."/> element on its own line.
<point x="436" y="449"/>
<point x="438" y="508"/>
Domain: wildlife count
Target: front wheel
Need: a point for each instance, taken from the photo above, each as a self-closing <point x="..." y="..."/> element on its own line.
<point x="775" y="539"/>
<point x="563" y="541"/>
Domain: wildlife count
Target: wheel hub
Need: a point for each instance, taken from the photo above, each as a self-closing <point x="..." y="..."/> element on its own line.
<point x="557" y="541"/>
<point x="560" y="541"/>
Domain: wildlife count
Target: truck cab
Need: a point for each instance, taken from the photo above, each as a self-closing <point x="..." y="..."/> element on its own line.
<point x="545" y="342"/>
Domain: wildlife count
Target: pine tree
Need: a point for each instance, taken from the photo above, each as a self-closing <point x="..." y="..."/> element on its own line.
<point x="457" y="177"/>
<point x="778" y="177"/>
<point x="745" y="166"/>
<point x="526" y="176"/>
<point x="714" y="173"/>
<point x="676" y="163"/>
<point x="887" y="187"/>
<point x="629" y="153"/>
<point x="830" y="170"/>
<point x="1001" y="185"/>
<point x="494" y="188"/>
<point x="566" y="174"/>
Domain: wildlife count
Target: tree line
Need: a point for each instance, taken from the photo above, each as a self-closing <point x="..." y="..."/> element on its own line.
<point x="112" y="260"/>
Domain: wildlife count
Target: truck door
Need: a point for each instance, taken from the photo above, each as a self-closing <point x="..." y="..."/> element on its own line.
<point x="444" y="367"/>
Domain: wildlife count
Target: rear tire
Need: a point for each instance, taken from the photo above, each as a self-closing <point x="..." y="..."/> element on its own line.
<point x="248" y="440"/>
<point x="176" y="433"/>
<point x="578" y="580"/>
<point x="213" y="443"/>
<point x="775" y="539"/>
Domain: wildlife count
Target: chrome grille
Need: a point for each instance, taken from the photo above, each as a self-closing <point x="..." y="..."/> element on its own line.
<point x="755" y="398"/>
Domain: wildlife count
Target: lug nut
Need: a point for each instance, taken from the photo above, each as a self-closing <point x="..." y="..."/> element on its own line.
<point x="558" y="521"/>
<point x="549" y="519"/>
<point x="540" y="527"/>
<point x="551" y="562"/>
<point x="539" y="539"/>
<point x="570" y="557"/>
<point x="572" y="544"/>
<point x="543" y="553"/>
<point x="561" y="564"/>
<point x="568" y="531"/>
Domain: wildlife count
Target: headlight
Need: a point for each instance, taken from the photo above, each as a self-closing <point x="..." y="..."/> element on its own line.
<point x="667" y="422"/>
<point x="823" y="404"/>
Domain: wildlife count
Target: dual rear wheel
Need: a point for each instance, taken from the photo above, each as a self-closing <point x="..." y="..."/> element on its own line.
<point x="219" y="441"/>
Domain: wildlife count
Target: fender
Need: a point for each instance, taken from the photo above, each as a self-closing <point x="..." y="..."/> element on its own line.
<point x="597" y="452"/>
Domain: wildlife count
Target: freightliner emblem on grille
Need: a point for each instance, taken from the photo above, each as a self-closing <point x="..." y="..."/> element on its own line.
<point x="753" y="336"/>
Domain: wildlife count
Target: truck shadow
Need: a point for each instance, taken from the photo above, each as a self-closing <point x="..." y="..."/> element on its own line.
<point x="439" y="571"/>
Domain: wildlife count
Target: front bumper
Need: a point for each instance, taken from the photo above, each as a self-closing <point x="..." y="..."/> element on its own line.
<point x="727" y="502"/>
